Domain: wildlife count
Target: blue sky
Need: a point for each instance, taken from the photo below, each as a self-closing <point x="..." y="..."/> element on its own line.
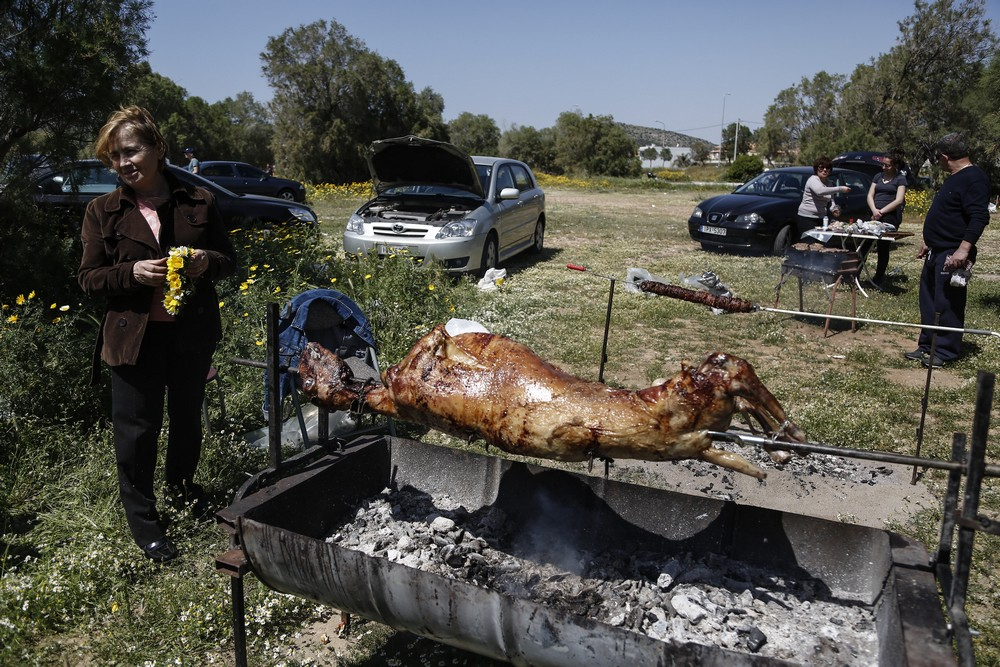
<point x="664" y="64"/>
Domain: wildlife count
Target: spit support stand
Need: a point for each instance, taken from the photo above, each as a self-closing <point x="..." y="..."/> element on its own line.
<point x="953" y="581"/>
<point x="607" y="317"/>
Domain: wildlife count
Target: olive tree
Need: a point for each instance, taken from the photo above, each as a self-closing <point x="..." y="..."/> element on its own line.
<point x="64" y="65"/>
<point x="916" y="92"/>
<point x="536" y="148"/>
<point x="332" y="98"/>
<point x="474" y="134"/>
<point x="594" y="146"/>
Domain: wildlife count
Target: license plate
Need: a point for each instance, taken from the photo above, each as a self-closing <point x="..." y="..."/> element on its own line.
<point x="383" y="249"/>
<point x="718" y="231"/>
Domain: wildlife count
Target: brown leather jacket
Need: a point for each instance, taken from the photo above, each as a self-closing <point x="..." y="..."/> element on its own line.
<point x="115" y="236"/>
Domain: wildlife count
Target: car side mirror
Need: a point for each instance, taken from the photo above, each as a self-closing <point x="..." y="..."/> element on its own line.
<point x="510" y="193"/>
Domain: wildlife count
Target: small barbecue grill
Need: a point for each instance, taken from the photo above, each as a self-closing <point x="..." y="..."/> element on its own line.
<point x="814" y="262"/>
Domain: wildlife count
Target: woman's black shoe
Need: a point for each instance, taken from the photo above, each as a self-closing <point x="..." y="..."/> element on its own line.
<point x="160" y="551"/>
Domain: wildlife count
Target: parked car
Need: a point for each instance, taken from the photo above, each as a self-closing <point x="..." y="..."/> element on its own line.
<point x="248" y="179"/>
<point x="433" y="201"/>
<point x="760" y="215"/>
<point x="870" y="163"/>
<point x="69" y="189"/>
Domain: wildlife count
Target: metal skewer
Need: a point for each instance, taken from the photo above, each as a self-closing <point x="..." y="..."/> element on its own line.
<point x="734" y="304"/>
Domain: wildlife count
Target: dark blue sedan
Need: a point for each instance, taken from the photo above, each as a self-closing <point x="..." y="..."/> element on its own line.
<point x="760" y="215"/>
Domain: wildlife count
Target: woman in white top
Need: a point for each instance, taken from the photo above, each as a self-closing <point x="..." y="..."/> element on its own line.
<point x="817" y="196"/>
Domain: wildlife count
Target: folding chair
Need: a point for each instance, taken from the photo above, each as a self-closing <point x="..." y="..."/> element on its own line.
<point x="333" y="320"/>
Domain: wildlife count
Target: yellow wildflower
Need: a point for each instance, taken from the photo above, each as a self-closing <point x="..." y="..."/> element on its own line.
<point x="20" y="300"/>
<point x="176" y="290"/>
<point x="12" y="319"/>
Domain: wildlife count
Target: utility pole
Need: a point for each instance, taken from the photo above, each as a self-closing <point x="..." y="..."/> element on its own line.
<point x="722" y="130"/>
<point x="736" y="139"/>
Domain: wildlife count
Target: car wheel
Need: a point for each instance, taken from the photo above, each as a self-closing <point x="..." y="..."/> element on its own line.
<point x="539" y="238"/>
<point x="287" y="195"/>
<point x="491" y="255"/>
<point x="782" y="241"/>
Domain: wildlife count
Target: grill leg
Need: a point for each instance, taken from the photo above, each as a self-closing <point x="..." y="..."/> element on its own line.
<point x="239" y="622"/>
<point x="829" y="310"/>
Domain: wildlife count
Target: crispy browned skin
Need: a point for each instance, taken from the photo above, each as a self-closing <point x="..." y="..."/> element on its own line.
<point x="479" y="385"/>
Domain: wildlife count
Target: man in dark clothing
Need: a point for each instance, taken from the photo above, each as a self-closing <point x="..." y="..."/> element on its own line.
<point x="957" y="218"/>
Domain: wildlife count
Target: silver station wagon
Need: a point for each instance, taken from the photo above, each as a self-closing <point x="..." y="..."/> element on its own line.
<point x="434" y="202"/>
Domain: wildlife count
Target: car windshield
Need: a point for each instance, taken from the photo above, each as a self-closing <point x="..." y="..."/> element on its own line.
<point x="429" y="190"/>
<point x="775" y="184"/>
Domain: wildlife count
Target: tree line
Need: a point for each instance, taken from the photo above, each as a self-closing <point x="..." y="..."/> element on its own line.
<point x="62" y="71"/>
<point x="942" y="75"/>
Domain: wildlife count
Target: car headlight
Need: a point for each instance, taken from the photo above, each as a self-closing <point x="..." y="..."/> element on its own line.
<point x="750" y="218"/>
<point x="697" y="213"/>
<point x="303" y="215"/>
<point x="356" y="224"/>
<point x="458" y="229"/>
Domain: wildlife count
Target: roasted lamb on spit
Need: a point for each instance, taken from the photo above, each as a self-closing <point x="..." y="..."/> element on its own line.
<point x="481" y="385"/>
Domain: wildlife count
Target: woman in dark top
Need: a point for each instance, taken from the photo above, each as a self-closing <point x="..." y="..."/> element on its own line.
<point x="886" y="196"/>
<point x="159" y="349"/>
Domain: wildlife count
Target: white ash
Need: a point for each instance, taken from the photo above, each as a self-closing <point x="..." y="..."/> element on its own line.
<point x="721" y="483"/>
<point x="707" y="599"/>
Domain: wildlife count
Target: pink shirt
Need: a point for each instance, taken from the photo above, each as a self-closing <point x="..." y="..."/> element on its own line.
<point x="157" y="313"/>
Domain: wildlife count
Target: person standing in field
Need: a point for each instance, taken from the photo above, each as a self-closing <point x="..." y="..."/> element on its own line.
<point x="957" y="218"/>
<point x="886" y="196"/>
<point x="153" y="249"/>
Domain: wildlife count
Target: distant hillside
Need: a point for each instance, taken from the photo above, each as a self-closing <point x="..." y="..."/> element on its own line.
<point x="644" y="136"/>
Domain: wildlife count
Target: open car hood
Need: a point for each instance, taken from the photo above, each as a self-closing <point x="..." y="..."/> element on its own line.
<point x="412" y="160"/>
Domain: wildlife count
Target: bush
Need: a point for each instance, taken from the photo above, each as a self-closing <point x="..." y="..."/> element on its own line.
<point x="57" y="468"/>
<point x="744" y="167"/>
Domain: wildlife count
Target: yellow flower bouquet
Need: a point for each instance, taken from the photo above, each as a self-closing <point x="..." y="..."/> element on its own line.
<point x="178" y="287"/>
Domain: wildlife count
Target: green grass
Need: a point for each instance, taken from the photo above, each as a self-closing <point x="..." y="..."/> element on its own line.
<point x="74" y="590"/>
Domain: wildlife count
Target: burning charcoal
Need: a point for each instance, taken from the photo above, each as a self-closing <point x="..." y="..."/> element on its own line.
<point x="756" y="639"/>
<point x="442" y="524"/>
<point x="669" y="574"/>
<point x="688" y="608"/>
<point x="726" y="603"/>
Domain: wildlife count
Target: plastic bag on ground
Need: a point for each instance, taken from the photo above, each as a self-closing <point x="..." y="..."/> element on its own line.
<point x="491" y="279"/>
<point x="708" y="281"/>
<point x="634" y="276"/>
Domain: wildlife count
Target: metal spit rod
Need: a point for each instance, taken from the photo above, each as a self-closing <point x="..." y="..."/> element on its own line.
<point x="737" y="305"/>
<point x="833" y="450"/>
<point x="932" y="327"/>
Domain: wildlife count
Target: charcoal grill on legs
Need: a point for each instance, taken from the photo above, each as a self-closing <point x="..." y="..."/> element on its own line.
<point x="814" y="262"/>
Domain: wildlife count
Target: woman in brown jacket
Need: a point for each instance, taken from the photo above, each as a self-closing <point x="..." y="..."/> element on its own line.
<point x="157" y="357"/>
